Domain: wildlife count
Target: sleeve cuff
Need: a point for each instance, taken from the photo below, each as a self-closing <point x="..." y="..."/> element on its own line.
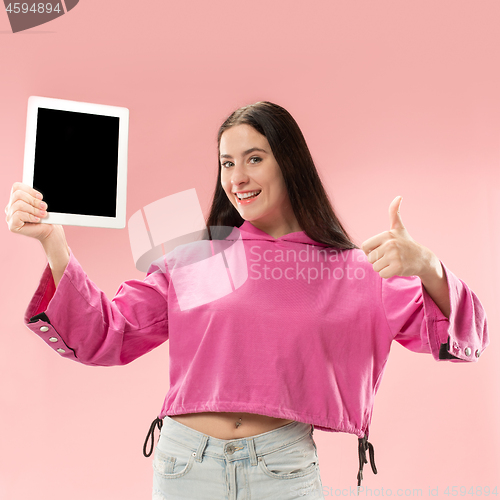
<point x="35" y="317"/>
<point x="40" y="325"/>
<point x="450" y="339"/>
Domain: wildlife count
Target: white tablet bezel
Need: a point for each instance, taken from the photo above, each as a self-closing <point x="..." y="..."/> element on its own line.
<point x="34" y="103"/>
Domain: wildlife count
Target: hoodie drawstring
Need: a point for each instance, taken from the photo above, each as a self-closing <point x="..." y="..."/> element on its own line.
<point x="156" y="422"/>
<point x="364" y="445"/>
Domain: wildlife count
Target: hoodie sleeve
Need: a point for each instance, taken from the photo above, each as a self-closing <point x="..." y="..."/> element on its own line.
<point x="417" y="323"/>
<point x="79" y="322"/>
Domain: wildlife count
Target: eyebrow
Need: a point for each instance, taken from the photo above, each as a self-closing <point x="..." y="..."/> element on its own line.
<point x="248" y="151"/>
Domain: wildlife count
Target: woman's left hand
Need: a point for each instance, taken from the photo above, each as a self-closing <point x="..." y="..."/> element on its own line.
<point x="395" y="252"/>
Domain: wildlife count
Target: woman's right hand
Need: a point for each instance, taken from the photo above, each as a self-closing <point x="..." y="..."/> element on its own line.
<point x="24" y="211"/>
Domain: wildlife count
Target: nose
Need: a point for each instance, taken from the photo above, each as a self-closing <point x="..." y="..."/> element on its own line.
<point x="238" y="176"/>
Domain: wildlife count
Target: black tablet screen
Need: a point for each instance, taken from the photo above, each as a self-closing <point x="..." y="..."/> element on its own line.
<point x="76" y="162"/>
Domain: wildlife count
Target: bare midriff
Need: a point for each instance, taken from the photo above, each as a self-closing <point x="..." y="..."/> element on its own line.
<point x="225" y="425"/>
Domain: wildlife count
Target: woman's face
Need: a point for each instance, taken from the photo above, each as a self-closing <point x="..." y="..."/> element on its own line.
<point x="248" y="165"/>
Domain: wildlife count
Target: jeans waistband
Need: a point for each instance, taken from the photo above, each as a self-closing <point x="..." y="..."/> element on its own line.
<point x="238" y="448"/>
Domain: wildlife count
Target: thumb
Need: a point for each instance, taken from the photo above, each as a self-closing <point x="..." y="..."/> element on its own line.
<point x="394" y="213"/>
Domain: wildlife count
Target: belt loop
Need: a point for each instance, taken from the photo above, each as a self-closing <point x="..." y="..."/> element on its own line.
<point x="201" y="448"/>
<point x="251" y="451"/>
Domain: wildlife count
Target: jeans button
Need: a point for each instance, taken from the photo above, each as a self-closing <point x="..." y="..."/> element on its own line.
<point x="230" y="449"/>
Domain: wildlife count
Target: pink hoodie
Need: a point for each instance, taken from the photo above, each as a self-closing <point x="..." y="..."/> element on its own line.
<point x="285" y="327"/>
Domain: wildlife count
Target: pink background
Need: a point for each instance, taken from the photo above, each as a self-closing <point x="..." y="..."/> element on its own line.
<point x="394" y="97"/>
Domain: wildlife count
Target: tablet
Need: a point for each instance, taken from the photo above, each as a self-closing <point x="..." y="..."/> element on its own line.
<point x="76" y="156"/>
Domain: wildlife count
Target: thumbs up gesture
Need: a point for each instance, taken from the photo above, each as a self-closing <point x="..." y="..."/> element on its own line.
<point x="395" y="252"/>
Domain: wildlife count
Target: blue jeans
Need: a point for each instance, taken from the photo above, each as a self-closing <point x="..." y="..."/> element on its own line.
<point x="280" y="464"/>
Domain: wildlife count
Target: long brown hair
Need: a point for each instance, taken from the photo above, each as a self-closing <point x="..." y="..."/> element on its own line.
<point x="309" y="200"/>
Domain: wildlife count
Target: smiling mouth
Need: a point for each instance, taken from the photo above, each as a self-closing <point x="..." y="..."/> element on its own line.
<point x="242" y="200"/>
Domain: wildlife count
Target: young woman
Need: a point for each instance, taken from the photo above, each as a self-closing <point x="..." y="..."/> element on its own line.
<point x="291" y="331"/>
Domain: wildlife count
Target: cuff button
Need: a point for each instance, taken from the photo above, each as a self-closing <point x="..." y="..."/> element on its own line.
<point x="53" y="339"/>
<point x="62" y="351"/>
<point x="478" y="353"/>
<point x="44" y="328"/>
<point x="467" y="351"/>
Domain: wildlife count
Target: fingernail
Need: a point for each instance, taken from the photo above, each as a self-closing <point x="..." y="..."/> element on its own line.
<point x="43" y="205"/>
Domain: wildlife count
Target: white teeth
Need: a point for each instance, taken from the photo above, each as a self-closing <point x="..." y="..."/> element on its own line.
<point x="242" y="196"/>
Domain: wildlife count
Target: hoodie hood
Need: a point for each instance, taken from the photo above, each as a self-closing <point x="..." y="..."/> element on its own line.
<point x="250" y="232"/>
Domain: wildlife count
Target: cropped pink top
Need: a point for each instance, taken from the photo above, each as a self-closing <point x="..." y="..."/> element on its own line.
<point x="307" y="327"/>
